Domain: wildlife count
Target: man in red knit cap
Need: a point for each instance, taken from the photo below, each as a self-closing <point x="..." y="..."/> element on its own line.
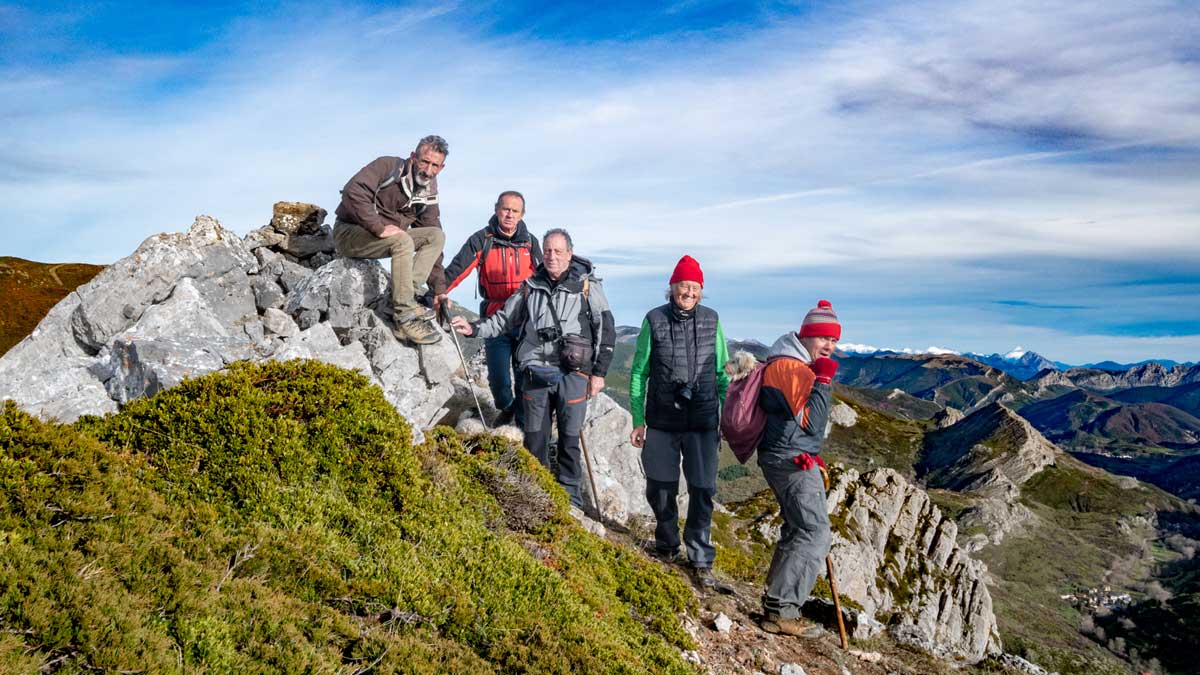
<point x="796" y="397"/>
<point x="676" y="387"/>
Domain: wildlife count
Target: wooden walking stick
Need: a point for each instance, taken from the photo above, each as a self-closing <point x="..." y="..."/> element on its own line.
<point x="444" y="319"/>
<point x="837" y="603"/>
<point x="587" y="460"/>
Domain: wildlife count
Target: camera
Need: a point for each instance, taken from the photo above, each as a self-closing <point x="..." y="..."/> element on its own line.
<point x="683" y="395"/>
<point x="549" y="334"/>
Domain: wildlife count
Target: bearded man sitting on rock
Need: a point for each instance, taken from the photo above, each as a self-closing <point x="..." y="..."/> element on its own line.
<point x="390" y="209"/>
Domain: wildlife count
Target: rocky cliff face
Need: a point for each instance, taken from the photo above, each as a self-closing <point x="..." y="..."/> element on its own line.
<point x="896" y="555"/>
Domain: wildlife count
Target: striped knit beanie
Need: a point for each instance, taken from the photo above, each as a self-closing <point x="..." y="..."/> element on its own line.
<point x="821" y="321"/>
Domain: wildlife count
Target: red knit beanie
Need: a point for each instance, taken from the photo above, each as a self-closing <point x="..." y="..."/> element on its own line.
<point x="821" y="321"/>
<point x="687" y="269"/>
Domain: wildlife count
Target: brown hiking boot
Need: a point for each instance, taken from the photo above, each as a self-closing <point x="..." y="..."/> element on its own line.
<point x="794" y="627"/>
<point x="417" y="331"/>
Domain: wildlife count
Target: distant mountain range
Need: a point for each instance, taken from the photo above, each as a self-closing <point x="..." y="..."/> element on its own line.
<point x="1018" y="362"/>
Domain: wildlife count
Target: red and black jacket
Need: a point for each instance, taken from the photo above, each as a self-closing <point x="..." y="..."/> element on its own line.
<point x="504" y="262"/>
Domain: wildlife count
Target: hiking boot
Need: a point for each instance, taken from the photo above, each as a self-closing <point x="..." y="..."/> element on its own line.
<point x="505" y="417"/>
<point x="675" y="557"/>
<point x="417" y="331"/>
<point x="703" y="577"/>
<point x="794" y="627"/>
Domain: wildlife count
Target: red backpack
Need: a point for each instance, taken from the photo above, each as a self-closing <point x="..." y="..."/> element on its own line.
<point x="742" y="420"/>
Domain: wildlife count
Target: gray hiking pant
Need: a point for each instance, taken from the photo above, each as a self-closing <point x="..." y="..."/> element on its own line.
<point x="661" y="457"/>
<point x="804" y="540"/>
<point x="413" y="253"/>
<point x="567" y="401"/>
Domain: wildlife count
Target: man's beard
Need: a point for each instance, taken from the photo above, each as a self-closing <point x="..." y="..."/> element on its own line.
<point x="422" y="179"/>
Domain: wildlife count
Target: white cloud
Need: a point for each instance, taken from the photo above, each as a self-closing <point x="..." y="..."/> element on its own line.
<point x="929" y="132"/>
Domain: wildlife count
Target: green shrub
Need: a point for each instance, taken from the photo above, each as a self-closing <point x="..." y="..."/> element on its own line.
<point x="277" y="518"/>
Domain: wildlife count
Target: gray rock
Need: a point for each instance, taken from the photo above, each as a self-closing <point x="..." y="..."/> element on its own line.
<point x="267" y="293"/>
<point x="895" y="553"/>
<point x="263" y="237"/>
<point x="1017" y="663"/>
<point x="340" y="289"/>
<point x="615" y="462"/>
<point x="146" y="366"/>
<point x="322" y="344"/>
<point x="255" y="331"/>
<point x="297" y="218"/>
<point x="843" y="415"/>
<point x="63" y="392"/>
<point x="587" y="523"/>
<point x="208" y="253"/>
<point x="319" y="338"/>
<point x="791" y="669"/>
<point x="279" y="323"/>
<point x="722" y="623"/>
<point x="437" y="362"/>
<point x="184" y="313"/>
<point x="290" y="274"/>
<point x="860" y="625"/>
<point x="266" y="257"/>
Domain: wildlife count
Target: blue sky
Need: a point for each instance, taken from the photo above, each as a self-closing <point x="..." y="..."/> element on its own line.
<point x="970" y="175"/>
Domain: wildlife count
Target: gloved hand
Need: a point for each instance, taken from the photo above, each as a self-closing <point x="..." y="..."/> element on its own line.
<point x="824" y="368"/>
<point x="804" y="461"/>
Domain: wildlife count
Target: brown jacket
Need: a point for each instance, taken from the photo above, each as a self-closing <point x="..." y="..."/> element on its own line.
<point x="403" y="204"/>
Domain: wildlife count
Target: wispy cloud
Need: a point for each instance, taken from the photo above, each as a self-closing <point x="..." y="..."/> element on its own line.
<point x="905" y="145"/>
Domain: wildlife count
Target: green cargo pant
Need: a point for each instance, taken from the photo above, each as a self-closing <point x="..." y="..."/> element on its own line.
<point x="413" y="253"/>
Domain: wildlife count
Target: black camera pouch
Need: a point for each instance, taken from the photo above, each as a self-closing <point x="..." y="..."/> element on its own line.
<point x="575" y="353"/>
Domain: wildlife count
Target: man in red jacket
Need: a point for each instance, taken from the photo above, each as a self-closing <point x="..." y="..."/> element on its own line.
<point x="505" y="255"/>
<point x="390" y="209"/>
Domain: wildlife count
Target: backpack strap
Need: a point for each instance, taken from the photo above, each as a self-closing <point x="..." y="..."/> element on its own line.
<point x="391" y="178"/>
<point x="483" y="254"/>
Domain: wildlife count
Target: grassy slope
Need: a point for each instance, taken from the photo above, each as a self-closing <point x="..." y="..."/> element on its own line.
<point x="275" y="518"/>
<point x="1075" y="543"/>
<point x="30" y="289"/>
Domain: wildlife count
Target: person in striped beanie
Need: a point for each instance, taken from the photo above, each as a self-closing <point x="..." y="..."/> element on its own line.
<point x="796" y="398"/>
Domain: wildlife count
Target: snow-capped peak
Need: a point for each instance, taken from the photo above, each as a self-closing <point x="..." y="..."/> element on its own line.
<point x="1016" y="353"/>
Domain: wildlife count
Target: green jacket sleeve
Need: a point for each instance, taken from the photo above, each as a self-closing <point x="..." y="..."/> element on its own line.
<point x="638" y="374"/>
<point x="722" y="357"/>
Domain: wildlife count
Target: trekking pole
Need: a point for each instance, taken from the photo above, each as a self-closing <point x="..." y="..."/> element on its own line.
<point x="837" y="603"/>
<point x="444" y="311"/>
<point x="587" y="459"/>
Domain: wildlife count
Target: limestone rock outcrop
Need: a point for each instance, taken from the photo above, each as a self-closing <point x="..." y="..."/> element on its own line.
<point x="897" y="556"/>
<point x="187" y="304"/>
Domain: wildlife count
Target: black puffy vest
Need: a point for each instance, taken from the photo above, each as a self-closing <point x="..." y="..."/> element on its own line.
<point x="682" y="352"/>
